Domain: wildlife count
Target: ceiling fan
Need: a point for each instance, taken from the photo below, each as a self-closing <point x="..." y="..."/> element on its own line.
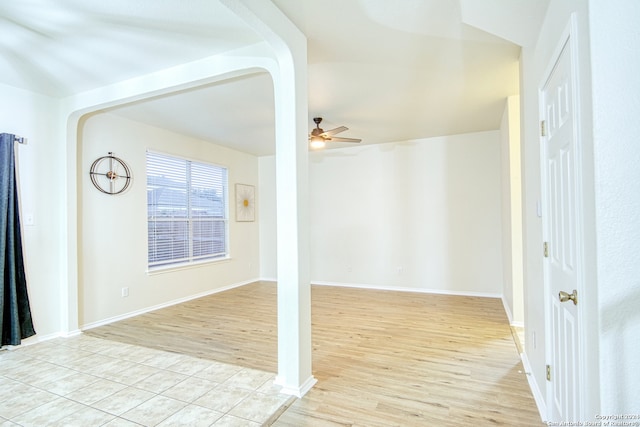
<point x="319" y="137"/>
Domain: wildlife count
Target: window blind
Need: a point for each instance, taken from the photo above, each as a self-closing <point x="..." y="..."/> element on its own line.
<point x="187" y="210"/>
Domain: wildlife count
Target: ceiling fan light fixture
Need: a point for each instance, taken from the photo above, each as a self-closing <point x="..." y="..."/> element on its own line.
<point x="319" y="137"/>
<point x="317" y="142"/>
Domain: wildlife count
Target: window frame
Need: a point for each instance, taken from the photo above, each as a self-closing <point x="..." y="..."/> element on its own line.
<point x="191" y="260"/>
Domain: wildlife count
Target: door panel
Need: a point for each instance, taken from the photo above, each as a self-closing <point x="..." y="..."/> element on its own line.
<point x="559" y="158"/>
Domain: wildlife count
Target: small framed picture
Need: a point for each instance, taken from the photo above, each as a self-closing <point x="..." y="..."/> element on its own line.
<point x="245" y="203"/>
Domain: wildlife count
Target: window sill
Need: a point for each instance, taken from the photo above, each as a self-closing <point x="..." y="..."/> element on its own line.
<point x="185" y="266"/>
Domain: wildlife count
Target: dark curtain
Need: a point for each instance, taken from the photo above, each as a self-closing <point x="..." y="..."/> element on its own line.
<point x="14" y="303"/>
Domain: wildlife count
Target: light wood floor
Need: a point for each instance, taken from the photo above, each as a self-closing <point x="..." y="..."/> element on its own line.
<point x="381" y="358"/>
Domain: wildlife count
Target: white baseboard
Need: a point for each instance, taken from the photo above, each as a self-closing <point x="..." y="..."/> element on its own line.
<point x="507" y="309"/>
<point x="70" y="334"/>
<point x="406" y="289"/>
<point x="103" y="322"/>
<point x="293" y="390"/>
<point x="533" y="385"/>
<point x="34" y="340"/>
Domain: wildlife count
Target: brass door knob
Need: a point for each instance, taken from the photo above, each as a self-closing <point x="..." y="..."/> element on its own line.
<point x="564" y="297"/>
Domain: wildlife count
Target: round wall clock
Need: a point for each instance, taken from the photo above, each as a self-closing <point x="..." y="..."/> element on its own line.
<point x="110" y="175"/>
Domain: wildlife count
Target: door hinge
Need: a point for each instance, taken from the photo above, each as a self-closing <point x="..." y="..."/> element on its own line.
<point x="543" y="128"/>
<point x="545" y="249"/>
<point x="548" y="372"/>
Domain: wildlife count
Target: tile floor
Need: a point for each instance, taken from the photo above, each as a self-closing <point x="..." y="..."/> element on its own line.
<point x="86" y="381"/>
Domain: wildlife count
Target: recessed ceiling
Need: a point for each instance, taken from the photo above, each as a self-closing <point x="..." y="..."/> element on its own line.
<point x="390" y="71"/>
<point x="237" y="113"/>
<point x="395" y="71"/>
<point x="64" y="47"/>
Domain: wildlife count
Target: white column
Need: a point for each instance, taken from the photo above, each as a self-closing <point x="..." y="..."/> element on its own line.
<point x="294" y="299"/>
<point x="290" y="93"/>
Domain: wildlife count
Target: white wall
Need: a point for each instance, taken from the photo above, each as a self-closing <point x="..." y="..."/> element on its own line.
<point x="113" y="230"/>
<point x="422" y="215"/>
<point x="505" y="175"/>
<point x="267" y="217"/>
<point x="512" y="210"/>
<point x="41" y="180"/>
<point x="615" y="43"/>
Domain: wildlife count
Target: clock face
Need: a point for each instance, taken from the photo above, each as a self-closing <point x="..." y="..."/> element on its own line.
<point x="245" y="202"/>
<point x="110" y="175"/>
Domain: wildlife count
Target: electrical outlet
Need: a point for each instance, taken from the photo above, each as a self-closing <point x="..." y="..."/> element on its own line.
<point x="125" y="292"/>
<point x="29" y="219"/>
<point x="400" y="270"/>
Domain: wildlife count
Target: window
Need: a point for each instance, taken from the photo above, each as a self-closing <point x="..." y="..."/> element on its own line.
<point x="187" y="210"/>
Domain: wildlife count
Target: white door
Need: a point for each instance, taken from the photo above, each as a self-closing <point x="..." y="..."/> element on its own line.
<point x="561" y="228"/>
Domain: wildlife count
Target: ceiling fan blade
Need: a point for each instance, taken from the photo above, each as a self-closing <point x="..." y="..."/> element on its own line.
<point x="335" y="131"/>
<point x="338" y="139"/>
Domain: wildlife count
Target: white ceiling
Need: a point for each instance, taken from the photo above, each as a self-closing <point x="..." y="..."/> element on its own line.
<point x="388" y="70"/>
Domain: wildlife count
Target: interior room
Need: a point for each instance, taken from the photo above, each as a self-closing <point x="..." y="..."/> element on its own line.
<point x="436" y="188"/>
